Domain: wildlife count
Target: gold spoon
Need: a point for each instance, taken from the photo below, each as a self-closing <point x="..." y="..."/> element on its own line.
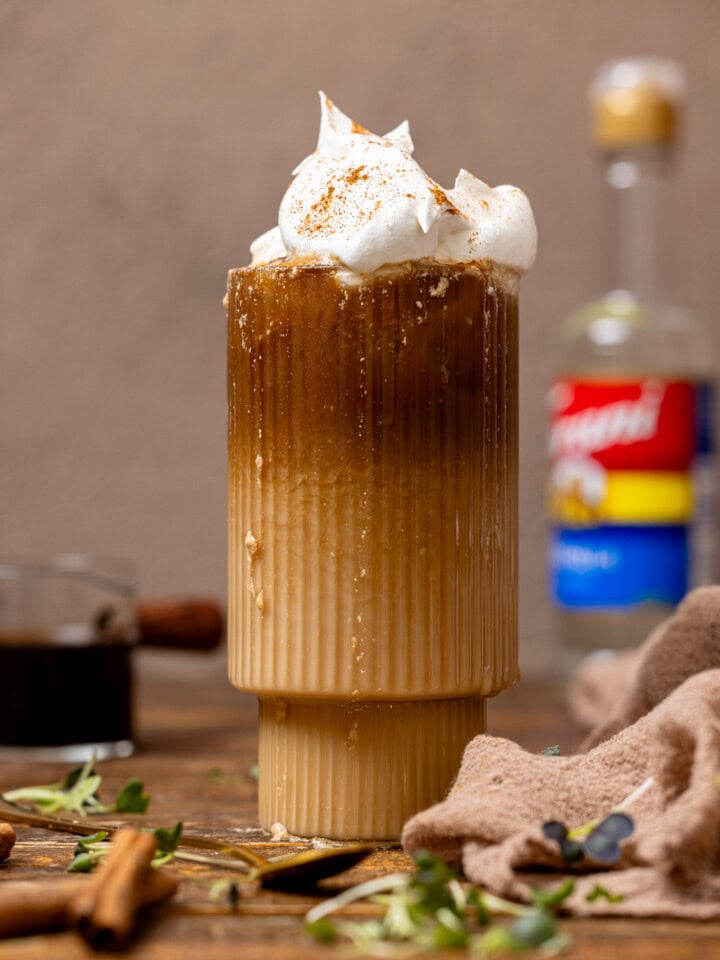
<point x="295" y="870"/>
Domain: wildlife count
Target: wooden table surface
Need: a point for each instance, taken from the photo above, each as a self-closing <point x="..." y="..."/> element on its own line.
<point x="196" y="745"/>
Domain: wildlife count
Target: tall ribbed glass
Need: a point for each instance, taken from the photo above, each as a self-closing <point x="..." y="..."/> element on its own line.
<point x="372" y="530"/>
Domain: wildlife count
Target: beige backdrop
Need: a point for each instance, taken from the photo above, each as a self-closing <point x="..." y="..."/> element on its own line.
<point x="144" y="144"/>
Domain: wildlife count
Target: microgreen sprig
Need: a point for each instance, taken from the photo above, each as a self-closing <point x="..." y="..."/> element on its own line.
<point x="432" y="910"/>
<point x="90" y="850"/>
<point x="599" y="892"/>
<point x="77" y="793"/>
<point x="600" y="838"/>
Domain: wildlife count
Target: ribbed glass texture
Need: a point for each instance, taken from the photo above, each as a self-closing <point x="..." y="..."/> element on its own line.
<point x="372" y="482"/>
<point x="359" y="770"/>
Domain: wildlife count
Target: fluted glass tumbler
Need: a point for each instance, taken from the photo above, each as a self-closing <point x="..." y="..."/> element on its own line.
<point x="372" y="460"/>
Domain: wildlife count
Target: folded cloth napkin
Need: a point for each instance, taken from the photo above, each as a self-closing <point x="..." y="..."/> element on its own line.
<point x="604" y="691"/>
<point x="598" y="682"/>
<point x="668" y="733"/>
<point x="686" y="644"/>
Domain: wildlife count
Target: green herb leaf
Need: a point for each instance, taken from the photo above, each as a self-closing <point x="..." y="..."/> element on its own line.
<point x="600" y="893"/>
<point x="451" y="930"/>
<point x="324" y="931"/>
<point x="84" y="843"/>
<point x="432" y="910"/>
<point x="131" y="798"/>
<point x="71" y="778"/>
<point x="82" y="862"/>
<point x="430" y="884"/>
<point x="77" y="792"/>
<point x="167" y="842"/>
<point x="88" y="852"/>
<point x="498" y="940"/>
<point x="553" y="751"/>
<point x="549" y="899"/>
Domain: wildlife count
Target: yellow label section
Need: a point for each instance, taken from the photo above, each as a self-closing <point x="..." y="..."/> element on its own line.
<point x="632" y="496"/>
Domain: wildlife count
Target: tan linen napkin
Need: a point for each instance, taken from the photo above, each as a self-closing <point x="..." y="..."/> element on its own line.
<point x="598" y="682"/>
<point x="606" y="692"/>
<point x="491" y="821"/>
<point x="685" y="644"/>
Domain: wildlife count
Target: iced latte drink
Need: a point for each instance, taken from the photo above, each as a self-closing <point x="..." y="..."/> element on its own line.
<point x="372" y="376"/>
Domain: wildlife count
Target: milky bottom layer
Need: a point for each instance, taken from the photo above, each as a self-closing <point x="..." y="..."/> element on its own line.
<point x="359" y="770"/>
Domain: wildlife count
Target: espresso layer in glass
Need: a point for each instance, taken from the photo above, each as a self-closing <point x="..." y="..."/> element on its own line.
<point x="372" y="492"/>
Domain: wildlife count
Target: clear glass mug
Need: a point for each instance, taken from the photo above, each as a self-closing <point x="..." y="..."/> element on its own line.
<point x="67" y="628"/>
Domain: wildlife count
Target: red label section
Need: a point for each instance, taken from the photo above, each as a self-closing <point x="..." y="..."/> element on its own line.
<point x="623" y="425"/>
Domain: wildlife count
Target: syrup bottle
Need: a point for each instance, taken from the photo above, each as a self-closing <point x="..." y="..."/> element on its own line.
<point x="630" y="486"/>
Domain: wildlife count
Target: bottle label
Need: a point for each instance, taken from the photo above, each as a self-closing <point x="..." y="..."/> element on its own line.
<point x="620" y="488"/>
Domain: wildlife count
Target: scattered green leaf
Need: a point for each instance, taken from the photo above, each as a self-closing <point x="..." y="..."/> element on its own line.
<point x="72" y="777"/>
<point x="550" y="899"/>
<point x="600" y="893"/>
<point x="432" y="910"/>
<point x="86" y="842"/>
<point x="553" y="751"/>
<point x="90" y="850"/>
<point x="476" y="902"/>
<point x="131" y="798"/>
<point x="87" y="853"/>
<point x="498" y="939"/>
<point x="82" y="863"/>
<point x="324" y="931"/>
<point x="167" y="842"/>
<point x="78" y="792"/>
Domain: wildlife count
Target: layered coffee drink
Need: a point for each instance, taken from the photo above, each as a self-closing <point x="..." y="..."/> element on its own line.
<point x="372" y="485"/>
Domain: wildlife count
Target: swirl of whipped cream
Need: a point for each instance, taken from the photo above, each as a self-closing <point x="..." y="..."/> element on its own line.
<point x="362" y="200"/>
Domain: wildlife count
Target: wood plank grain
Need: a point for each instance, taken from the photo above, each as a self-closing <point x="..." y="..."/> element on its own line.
<point x="197" y="744"/>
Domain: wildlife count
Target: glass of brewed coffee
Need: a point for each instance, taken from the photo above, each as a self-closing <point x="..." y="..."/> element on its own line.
<point x="67" y="628"/>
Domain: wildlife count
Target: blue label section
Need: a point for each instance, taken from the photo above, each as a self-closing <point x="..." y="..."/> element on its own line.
<point x="618" y="566"/>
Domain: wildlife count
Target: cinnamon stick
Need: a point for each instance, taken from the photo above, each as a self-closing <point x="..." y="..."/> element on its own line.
<point x="7" y="840"/>
<point x="31" y="906"/>
<point x="104" y="911"/>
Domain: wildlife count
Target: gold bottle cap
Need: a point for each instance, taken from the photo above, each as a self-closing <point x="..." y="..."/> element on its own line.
<point x="636" y="102"/>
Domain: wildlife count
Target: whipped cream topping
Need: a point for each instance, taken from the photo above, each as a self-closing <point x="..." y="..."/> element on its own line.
<point x="362" y="200"/>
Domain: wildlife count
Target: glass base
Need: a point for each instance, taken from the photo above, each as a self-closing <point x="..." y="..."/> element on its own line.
<point x="358" y="770"/>
<point x="69" y="753"/>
